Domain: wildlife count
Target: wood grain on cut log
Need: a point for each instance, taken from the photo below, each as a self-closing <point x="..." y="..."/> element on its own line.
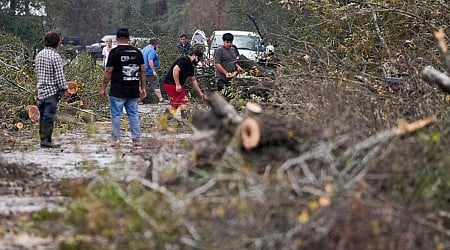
<point x="250" y="133"/>
<point x="30" y="112"/>
<point x="33" y="112"/>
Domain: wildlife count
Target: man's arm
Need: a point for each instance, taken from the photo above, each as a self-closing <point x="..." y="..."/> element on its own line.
<point x="176" y="77"/>
<point x="220" y="68"/>
<point x="196" y="86"/>
<point x="142" y="90"/>
<point x="106" y="80"/>
<point x="152" y="65"/>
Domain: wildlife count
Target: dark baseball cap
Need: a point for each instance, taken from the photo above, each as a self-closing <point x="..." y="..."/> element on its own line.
<point x="123" y="33"/>
<point x="198" y="53"/>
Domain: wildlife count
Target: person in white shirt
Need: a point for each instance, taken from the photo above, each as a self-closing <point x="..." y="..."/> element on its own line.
<point x="105" y="52"/>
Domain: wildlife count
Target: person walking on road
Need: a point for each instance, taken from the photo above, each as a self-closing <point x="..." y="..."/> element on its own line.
<point x="51" y="84"/>
<point x="151" y="66"/>
<point x="125" y="70"/>
<point x="181" y="69"/>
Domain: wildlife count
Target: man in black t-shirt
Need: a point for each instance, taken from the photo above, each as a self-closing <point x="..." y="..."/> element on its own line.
<point x="125" y="70"/>
<point x="177" y="75"/>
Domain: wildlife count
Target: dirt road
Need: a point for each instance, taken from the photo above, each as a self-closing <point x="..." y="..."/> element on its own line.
<point x="31" y="177"/>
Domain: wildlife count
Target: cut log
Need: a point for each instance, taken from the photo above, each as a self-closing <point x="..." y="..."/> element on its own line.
<point x="28" y="112"/>
<point x="33" y="112"/>
<point x="19" y="125"/>
<point x="265" y="130"/>
<point x="250" y="133"/>
<point x="72" y="87"/>
<point x="253" y="107"/>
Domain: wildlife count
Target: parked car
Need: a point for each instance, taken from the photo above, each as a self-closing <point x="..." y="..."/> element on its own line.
<point x="70" y="46"/>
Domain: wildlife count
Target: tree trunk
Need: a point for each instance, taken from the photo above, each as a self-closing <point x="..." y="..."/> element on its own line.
<point x="265" y="130"/>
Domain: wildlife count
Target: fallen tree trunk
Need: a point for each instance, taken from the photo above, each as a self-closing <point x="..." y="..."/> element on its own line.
<point x="265" y="130"/>
<point x="221" y="128"/>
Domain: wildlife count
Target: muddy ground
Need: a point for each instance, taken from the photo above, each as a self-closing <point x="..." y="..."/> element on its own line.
<point x="34" y="179"/>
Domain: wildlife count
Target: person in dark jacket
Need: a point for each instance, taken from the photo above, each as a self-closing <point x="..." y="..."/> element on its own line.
<point x="183" y="46"/>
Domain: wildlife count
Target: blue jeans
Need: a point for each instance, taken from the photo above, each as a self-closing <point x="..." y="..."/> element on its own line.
<point x="116" y="106"/>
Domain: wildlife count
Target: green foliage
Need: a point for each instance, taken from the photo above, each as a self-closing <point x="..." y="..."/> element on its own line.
<point x="27" y="27"/>
<point x="89" y="77"/>
<point x="45" y="215"/>
<point x="17" y="79"/>
<point x="104" y="212"/>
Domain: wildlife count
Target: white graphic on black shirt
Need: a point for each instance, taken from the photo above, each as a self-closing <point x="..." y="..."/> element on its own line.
<point x="130" y="72"/>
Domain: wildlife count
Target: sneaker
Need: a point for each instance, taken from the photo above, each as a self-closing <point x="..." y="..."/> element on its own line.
<point x="115" y="144"/>
<point x="177" y="116"/>
<point x="162" y="101"/>
<point x="137" y="145"/>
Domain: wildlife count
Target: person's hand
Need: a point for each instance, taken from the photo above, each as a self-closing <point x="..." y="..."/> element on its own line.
<point x="142" y="94"/>
<point x="203" y="96"/>
<point x="231" y="74"/>
<point x="103" y="92"/>
<point x="66" y="93"/>
<point x="177" y="87"/>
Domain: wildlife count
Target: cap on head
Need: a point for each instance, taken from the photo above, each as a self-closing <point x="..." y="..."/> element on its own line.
<point x="198" y="53"/>
<point x="227" y="37"/>
<point x="123" y="33"/>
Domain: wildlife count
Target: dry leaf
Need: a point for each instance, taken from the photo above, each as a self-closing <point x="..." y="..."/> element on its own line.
<point x="303" y="217"/>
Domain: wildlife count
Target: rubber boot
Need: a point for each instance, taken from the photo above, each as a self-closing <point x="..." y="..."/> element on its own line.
<point x="46" y="131"/>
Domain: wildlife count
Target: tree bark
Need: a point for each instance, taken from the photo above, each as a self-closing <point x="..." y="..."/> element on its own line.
<point x="433" y="76"/>
<point x="266" y="130"/>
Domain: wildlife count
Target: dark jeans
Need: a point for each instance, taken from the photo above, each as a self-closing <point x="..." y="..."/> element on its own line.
<point x="221" y="84"/>
<point x="48" y="108"/>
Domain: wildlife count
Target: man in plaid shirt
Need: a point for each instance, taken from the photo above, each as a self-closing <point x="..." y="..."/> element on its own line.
<point x="51" y="84"/>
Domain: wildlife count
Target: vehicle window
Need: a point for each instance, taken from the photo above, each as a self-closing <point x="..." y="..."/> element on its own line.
<point x="242" y="42"/>
<point x="216" y="42"/>
<point x="245" y="42"/>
